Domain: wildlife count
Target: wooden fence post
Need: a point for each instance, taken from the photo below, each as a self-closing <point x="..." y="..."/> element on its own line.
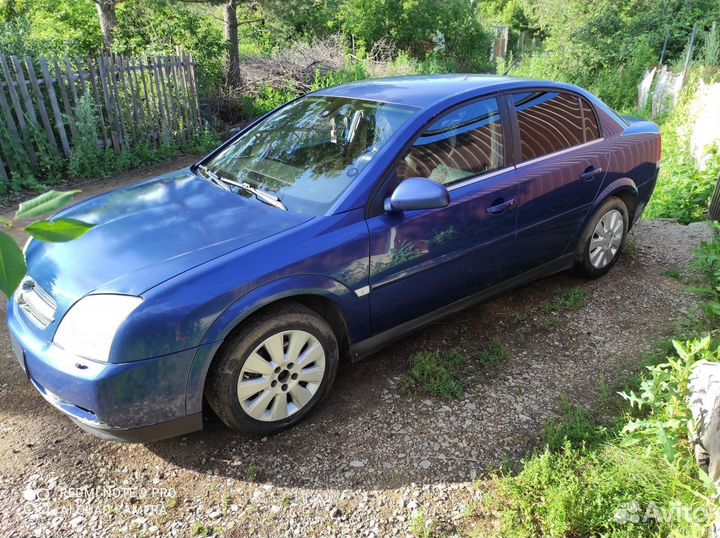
<point x="136" y="100"/>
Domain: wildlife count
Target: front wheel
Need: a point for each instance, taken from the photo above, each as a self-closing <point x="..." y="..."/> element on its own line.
<point x="603" y="239"/>
<point x="273" y="371"/>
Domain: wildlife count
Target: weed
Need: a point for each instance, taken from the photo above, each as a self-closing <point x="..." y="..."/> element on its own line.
<point x="630" y="248"/>
<point x="86" y="153"/>
<point x="422" y="527"/>
<point x="252" y="472"/>
<point x="576" y="426"/>
<point x="593" y="479"/>
<point x="171" y="503"/>
<point x="198" y="529"/>
<point x="672" y="273"/>
<point x="550" y="323"/>
<point x="519" y="319"/>
<point x="493" y="354"/>
<point x="286" y="501"/>
<point x="573" y="299"/>
<point x="579" y="492"/>
<point x="547" y="307"/>
<point x="438" y="373"/>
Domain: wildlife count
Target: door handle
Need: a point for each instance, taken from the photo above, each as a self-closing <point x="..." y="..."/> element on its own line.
<point x="590" y="173"/>
<point x="499" y="206"/>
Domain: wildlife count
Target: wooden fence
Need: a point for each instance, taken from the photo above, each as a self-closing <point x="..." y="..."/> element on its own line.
<point x="135" y="99"/>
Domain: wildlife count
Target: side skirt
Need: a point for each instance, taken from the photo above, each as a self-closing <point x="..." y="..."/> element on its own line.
<point x="370" y="345"/>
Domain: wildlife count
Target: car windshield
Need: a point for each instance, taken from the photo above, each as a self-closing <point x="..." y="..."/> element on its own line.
<point x="307" y="153"/>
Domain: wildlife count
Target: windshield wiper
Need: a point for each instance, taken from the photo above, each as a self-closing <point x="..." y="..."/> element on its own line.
<point x="213" y="177"/>
<point x="261" y="195"/>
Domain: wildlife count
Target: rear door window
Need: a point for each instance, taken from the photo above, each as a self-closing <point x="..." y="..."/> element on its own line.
<point x="551" y="121"/>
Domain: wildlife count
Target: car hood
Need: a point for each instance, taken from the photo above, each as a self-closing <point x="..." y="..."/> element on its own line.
<point x="148" y="233"/>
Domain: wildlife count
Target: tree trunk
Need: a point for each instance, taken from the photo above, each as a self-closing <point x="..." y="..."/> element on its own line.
<point x="231" y="40"/>
<point x="108" y="20"/>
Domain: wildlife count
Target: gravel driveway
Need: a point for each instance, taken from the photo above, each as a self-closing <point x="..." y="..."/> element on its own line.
<point x="374" y="456"/>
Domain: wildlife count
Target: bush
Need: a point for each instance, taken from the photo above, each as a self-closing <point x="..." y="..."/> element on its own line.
<point x="683" y="191"/>
<point x="86" y="152"/>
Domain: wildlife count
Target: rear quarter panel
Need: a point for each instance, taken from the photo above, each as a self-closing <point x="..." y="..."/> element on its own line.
<point x="633" y="164"/>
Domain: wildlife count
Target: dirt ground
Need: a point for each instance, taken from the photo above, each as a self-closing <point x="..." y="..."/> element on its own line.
<point x="374" y="456"/>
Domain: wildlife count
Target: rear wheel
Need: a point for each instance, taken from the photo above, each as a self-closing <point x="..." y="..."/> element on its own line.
<point x="274" y="370"/>
<point x="603" y="239"/>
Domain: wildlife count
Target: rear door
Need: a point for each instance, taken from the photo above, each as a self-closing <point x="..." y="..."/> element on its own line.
<point x="561" y="161"/>
<point x="423" y="260"/>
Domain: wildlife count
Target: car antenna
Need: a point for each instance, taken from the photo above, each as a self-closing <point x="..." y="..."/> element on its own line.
<point x="512" y="66"/>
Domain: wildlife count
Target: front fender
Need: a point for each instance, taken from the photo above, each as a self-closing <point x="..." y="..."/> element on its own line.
<point x="356" y="310"/>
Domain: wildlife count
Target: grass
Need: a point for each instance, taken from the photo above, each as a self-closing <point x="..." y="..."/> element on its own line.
<point x="493" y="355"/>
<point x="444" y="374"/>
<point x="550" y="323"/>
<point x="568" y="300"/>
<point x="630" y="248"/>
<point x="576" y="425"/>
<point x="438" y="373"/>
<point x="673" y="273"/>
<point x="198" y="529"/>
<point x="574" y="491"/>
<point x="252" y="472"/>
<point x="572" y="299"/>
<point x="421" y="527"/>
<point x="625" y="469"/>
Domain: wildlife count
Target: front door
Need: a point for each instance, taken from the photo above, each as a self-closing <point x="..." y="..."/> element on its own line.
<point x="423" y="260"/>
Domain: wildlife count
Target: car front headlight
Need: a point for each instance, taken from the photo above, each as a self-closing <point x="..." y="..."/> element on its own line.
<point x="88" y="329"/>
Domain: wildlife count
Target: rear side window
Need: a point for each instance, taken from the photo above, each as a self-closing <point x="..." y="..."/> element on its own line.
<point x="462" y="144"/>
<point x="552" y="121"/>
<point x="592" y="131"/>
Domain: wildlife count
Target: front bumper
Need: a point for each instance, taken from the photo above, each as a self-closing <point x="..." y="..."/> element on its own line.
<point x="138" y="401"/>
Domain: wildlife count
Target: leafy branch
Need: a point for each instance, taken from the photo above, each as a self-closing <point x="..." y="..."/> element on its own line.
<point x="12" y="260"/>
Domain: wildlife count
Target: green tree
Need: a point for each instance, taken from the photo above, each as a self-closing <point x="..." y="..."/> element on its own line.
<point x="421" y="27"/>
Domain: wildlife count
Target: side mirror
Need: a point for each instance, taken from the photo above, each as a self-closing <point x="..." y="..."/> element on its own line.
<point x="417" y="193"/>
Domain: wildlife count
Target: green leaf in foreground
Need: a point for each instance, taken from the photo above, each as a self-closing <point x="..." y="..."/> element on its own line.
<point x="58" y="231"/>
<point x="45" y="203"/>
<point x="12" y="264"/>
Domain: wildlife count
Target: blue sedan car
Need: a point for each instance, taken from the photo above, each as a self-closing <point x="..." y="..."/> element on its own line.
<point x="339" y="222"/>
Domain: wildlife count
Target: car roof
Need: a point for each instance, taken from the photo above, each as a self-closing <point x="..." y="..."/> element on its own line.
<point x="425" y="90"/>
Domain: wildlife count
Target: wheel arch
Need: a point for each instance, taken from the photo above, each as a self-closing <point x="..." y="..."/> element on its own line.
<point x="330" y="299"/>
<point x="623" y="188"/>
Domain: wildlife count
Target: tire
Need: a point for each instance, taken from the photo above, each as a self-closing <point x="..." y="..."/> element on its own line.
<point x="600" y="245"/>
<point x="266" y="355"/>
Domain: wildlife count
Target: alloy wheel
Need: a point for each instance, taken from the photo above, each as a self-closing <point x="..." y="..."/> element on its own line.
<point x="606" y="239"/>
<point x="281" y="375"/>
